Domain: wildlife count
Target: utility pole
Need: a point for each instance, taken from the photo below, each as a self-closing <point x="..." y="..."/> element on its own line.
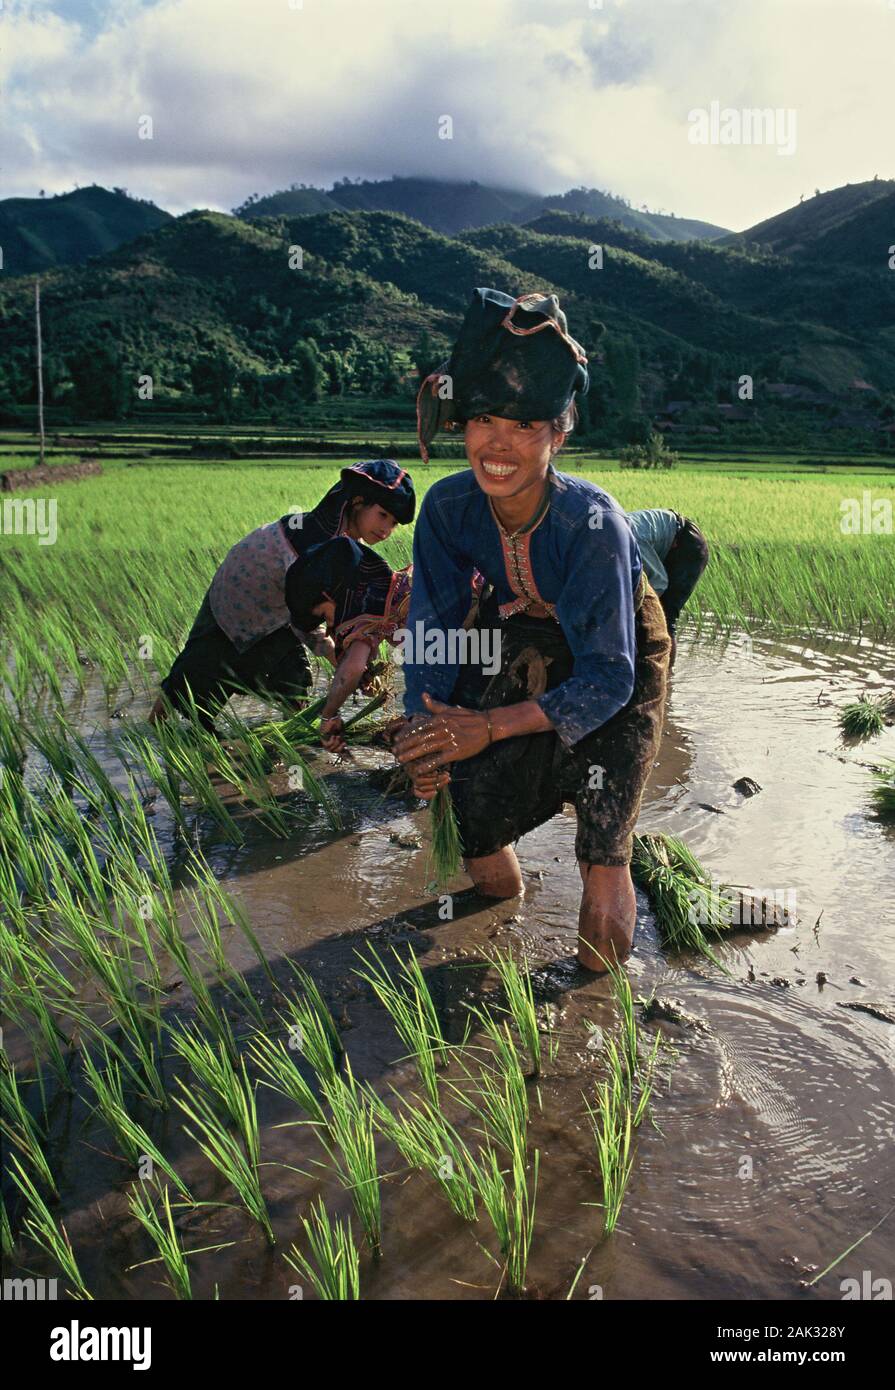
<point x="40" y="369"/>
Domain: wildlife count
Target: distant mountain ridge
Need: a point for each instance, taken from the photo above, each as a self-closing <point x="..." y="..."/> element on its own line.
<point x="452" y="207"/>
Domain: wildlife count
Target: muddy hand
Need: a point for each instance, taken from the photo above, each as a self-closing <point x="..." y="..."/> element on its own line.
<point x="427" y="781"/>
<point x="450" y="735"/>
<point x="332" y="735"/>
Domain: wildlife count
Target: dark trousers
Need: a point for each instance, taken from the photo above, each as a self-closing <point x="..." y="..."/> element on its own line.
<point x="684" y="563"/>
<point x="513" y="786"/>
<point x="212" y="669"/>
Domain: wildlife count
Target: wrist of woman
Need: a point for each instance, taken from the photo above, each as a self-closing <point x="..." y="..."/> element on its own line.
<point x="508" y="721"/>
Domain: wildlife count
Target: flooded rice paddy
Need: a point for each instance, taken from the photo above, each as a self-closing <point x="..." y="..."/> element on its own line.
<point x="770" y="1148"/>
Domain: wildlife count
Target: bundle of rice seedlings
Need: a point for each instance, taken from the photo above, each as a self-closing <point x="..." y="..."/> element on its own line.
<point x="864" y="718"/>
<point x="413" y="1013"/>
<point x="43" y="1230"/>
<point x="446" y="853"/>
<point x="882" y="793"/>
<point x="686" y="904"/>
<point x="333" y="1266"/>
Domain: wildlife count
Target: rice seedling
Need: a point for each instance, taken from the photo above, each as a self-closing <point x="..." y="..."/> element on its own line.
<point x="43" y="1230"/>
<point x="225" y="1152"/>
<point x="882" y="792"/>
<point x="428" y="1142"/>
<point x="413" y="1013"/>
<point x="622" y="1101"/>
<point x="205" y="900"/>
<point x="517" y="988"/>
<point x="18" y="1125"/>
<point x="222" y="1077"/>
<point x="445" y="856"/>
<point x="286" y="751"/>
<point x="612" y="1123"/>
<point x="159" y="772"/>
<point x="510" y="1205"/>
<point x="214" y="893"/>
<point x="118" y="985"/>
<point x="7" y="1241"/>
<point x="164" y="1237"/>
<point x="132" y="1139"/>
<point x="12" y="740"/>
<point x="333" y="1265"/>
<point x="686" y="903"/>
<point x="29" y="985"/>
<point x="863" y="718"/>
<point x="349" y="1139"/>
<point x="280" y="1072"/>
<point x="499" y="1092"/>
<point x="312" y="1029"/>
<point x="188" y="754"/>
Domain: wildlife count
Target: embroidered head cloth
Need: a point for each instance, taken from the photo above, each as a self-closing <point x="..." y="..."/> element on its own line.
<point x="513" y="357"/>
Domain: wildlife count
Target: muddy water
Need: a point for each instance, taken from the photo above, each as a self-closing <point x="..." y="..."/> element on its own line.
<point x="771" y="1150"/>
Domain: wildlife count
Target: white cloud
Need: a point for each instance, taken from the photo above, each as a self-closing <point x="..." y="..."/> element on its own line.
<point x="544" y="94"/>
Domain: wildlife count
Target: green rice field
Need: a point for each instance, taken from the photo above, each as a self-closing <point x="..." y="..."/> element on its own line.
<point x="167" y="1015"/>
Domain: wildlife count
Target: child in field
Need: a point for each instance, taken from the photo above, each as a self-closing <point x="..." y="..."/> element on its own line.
<point x="268" y="598"/>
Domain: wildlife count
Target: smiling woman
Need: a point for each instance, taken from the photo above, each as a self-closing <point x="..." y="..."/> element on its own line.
<point x="575" y="712"/>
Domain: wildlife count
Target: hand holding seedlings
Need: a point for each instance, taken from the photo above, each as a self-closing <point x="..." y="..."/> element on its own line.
<point x="450" y="735"/>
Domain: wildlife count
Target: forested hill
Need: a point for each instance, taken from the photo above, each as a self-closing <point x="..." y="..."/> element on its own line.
<point x="38" y="233"/>
<point x="251" y="313"/>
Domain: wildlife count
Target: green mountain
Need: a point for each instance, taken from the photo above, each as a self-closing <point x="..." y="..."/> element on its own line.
<point x="287" y="308"/>
<point x="800" y="227"/>
<point x="454" y="207"/>
<point x="37" y="233"/>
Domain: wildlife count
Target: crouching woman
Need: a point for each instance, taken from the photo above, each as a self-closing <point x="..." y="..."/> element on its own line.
<point x="251" y="631"/>
<point x="575" y="713"/>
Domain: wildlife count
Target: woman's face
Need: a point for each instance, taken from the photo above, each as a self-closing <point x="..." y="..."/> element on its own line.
<point x="510" y="456"/>
<point x="371" y="524"/>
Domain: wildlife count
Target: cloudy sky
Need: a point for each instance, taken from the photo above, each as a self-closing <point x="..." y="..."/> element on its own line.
<point x="252" y="95"/>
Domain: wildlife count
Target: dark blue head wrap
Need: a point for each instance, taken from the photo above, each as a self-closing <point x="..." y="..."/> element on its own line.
<point x="514" y="358"/>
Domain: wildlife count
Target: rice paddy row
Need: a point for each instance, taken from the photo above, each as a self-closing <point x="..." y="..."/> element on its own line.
<point x="136" y="548"/>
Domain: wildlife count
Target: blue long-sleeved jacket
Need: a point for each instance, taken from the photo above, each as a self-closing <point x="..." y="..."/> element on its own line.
<point x="584" y="560"/>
